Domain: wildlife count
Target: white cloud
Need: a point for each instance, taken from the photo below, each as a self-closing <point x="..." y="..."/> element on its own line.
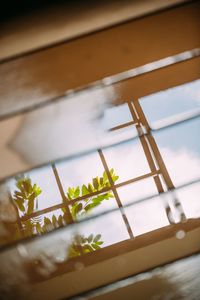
<point x="183" y="166"/>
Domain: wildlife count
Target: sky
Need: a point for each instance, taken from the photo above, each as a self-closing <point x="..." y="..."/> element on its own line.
<point x="179" y="146"/>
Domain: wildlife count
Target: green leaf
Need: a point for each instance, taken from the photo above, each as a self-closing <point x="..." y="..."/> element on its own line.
<point x="101" y="181"/>
<point x="79" y="208"/>
<point x="83" y="240"/>
<point x="28" y="192"/>
<point x="111" y="171"/>
<point x="96" y="247"/>
<point x="18" y="184"/>
<point x="105" y="177"/>
<point x="63" y="209"/>
<point x="20" y="205"/>
<point x="115" y="178"/>
<point x="90" y="238"/>
<point x="73" y="252"/>
<point x="95" y="183"/>
<point x="27" y="186"/>
<point x="37" y="190"/>
<point x="60" y="221"/>
<point x="110" y="195"/>
<point x="97" y="238"/>
<point x="38" y="227"/>
<point x="47" y="221"/>
<point x="100" y="198"/>
<point x="88" y="207"/>
<point x="76" y="248"/>
<point x="90" y="188"/>
<point x="18" y="194"/>
<point x="54" y="220"/>
<point x="73" y="209"/>
<point x="77" y="192"/>
<point x="78" y="239"/>
<point x="99" y="243"/>
<point x="31" y="204"/>
<point x="84" y="190"/>
<point x="107" y="196"/>
<point x="66" y="218"/>
<point x="70" y="193"/>
<point x="97" y="200"/>
<point x="68" y="196"/>
<point x="87" y="249"/>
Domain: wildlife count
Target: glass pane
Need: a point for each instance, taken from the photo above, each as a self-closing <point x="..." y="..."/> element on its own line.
<point x="119" y="135"/>
<point x="51" y="132"/>
<point x="80" y="171"/>
<point x="43" y="223"/>
<point x="115" y="116"/>
<point x="49" y="253"/>
<point x="93" y="205"/>
<point x="128" y="160"/>
<point x="137" y="190"/>
<point x="13" y="228"/>
<point x="180" y="149"/>
<point x="111" y="227"/>
<point x="45" y="180"/>
<point x="147" y="216"/>
<point x="171" y="102"/>
<point x="189" y="198"/>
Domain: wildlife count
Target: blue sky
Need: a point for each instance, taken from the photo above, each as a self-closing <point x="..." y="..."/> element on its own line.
<point x="180" y="147"/>
<point x="169" y="103"/>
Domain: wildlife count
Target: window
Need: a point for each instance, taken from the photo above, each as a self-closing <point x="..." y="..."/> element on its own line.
<point x="103" y="170"/>
<point x="134" y="169"/>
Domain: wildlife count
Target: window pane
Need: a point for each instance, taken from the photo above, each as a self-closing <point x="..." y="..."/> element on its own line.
<point x="147" y="216"/>
<point x="80" y="171"/>
<point x="94" y="205"/>
<point x="111" y="227"/>
<point x="119" y="135"/>
<point x="137" y="190"/>
<point x="44" y="179"/>
<point x="171" y="102"/>
<point x="180" y="149"/>
<point x="128" y="160"/>
<point x="189" y="198"/>
<point x="115" y="116"/>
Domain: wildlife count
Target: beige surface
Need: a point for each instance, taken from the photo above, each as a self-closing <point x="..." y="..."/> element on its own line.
<point x="174" y="281"/>
<point x="118" y="267"/>
<point x="64" y="22"/>
<point x="50" y="73"/>
<point x="26" y="139"/>
<point x="157" y="80"/>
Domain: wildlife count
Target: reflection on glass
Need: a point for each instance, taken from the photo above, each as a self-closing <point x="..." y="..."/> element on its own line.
<point x="83" y="188"/>
<point x="147" y="216"/>
<point x="180" y="149"/>
<point x="59" y="129"/>
<point x="115" y="116"/>
<point x="171" y="102"/>
<point x="95" y="195"/>
<point x="119" y="135"/>
<point x="129" y="160"/>
<point x="190" y="200"/>
<point x="111" y="227"/>
<point x="78" y="171"/>
<point x="93" y="205"/>
<point x="137" y="190"/>
<point x="45" y="180"/>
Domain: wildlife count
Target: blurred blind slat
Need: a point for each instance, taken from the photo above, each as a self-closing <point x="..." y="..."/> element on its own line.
<point x="54" y="21"/>
<point x="51" y="72"/>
